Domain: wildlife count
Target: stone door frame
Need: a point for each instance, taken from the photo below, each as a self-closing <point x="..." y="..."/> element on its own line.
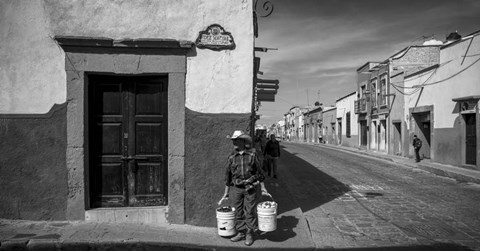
<point x="413" y="124"/>
<point x="127" y="57"/>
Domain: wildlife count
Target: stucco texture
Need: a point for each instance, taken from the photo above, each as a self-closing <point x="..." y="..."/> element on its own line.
<point x="216" y="81"/>
<point x="32" y="64"/>
<point x="32" y="74"/>
<point x="206" y="152"/>
<point x="32" y="166"/>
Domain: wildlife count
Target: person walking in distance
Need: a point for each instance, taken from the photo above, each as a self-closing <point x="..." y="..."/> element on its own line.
<point x="272" y="152"/>
<point x="417" y="144"/>
<point x="243" y="174"/>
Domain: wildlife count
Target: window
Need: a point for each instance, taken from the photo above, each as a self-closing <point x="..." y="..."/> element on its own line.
<point x="373" y="92"/>
<point x="348" y="125"/>
<point x="383" y="90"/>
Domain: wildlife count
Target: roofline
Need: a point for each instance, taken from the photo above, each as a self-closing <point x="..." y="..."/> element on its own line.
<point x="331" y="108"/>
<point x="406" y="49"/>
<point x="422" y="71"/>
<point x="473" y="33"/>
<point x="396" y="74"/>
<point x="346" y="96"/>
<point x="368" y="62"/>
<point x="314" y="110"/>
<point x="469" y="36"/>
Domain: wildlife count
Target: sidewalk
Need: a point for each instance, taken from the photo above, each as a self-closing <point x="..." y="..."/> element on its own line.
<point x="292" y="233"/>
<point x="454" y="172"/>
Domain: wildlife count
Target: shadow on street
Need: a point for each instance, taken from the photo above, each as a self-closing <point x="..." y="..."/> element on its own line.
<point x="308" y="186"/>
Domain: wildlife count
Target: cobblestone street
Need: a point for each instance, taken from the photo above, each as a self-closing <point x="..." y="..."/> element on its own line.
<point x="352" y="201"/>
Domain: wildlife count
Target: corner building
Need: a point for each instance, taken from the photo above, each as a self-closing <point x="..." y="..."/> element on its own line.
<point x="110" y="111"/>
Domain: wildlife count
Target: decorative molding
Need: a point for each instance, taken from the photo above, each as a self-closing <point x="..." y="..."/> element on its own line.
<point x="73" y="41"/>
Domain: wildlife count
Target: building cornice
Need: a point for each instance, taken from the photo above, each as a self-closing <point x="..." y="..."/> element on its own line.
<point x="101" y="42"/>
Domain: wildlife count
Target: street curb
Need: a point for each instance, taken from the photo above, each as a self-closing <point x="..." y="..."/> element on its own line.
<point x="457" y="176"/>
<point x="100" y="245"/>
<point x="431" y="169"/>
<point x="47" y="245"/>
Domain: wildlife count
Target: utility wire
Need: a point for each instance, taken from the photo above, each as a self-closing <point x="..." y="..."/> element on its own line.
<point x="452" y="76"/>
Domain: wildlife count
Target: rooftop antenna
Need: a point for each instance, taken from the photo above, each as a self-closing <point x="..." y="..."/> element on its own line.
<point x="308" y="102"/>
<point x="296" y="93"/>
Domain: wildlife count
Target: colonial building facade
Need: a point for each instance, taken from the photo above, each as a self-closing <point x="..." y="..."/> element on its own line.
<point x="347" y="127"/>
<point x="329" y="121"/>
<point x="313" y="125"/>
<point x="376" y="99"/>
<point x="441" y="105"/>
<point x="119" y="110"/>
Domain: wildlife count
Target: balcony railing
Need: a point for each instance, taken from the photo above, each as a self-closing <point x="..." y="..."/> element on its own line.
<point x="360" y="106"/>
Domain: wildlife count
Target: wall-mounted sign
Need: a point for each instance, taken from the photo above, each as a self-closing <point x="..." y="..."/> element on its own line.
<point x="468" y="106"/>
<point x="215" y="38"/>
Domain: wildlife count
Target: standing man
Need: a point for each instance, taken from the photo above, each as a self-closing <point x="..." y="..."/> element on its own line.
<point x="243" y="173"/>
<point x="272" y="152"/>
<point x="417" y="144"/>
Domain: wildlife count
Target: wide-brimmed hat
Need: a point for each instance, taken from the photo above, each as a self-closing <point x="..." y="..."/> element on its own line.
<point x="239" y="134"/>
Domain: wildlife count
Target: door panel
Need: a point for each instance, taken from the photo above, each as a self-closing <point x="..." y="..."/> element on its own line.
<point x="111" y="134"/>
<point x="149" y="138"/>
<point x="149" y="99"/>
<point x="109" y="98"/>
<point x="149" y="144"/>
<point x="471" y="140"/>
<point x="113" y="179"/>
<point x="128" y="141"/>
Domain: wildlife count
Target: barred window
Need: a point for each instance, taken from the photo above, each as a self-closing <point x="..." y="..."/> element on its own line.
<point x="383" y="90"/>
<point x="373" y="92"/>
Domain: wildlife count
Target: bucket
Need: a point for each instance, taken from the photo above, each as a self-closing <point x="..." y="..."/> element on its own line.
<point x="267" y="216"/>
<point x="226" y="222"/>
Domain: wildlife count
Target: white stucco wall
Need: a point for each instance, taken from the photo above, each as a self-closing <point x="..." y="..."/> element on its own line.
<point x="33" y="78"/>
<point x="451" y="79"/>
<point x="32" y="66"/>
<point x="345" y="105"/>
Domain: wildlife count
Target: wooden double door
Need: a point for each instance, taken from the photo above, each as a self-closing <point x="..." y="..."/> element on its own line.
<point x="127" y="140"/>
<point x="470" y="139"/>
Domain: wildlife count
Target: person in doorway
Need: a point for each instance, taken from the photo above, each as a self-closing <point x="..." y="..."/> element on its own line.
<point x="242" y="176"/>
<point x="272" y="153"/>
<point x="417" y="144"/>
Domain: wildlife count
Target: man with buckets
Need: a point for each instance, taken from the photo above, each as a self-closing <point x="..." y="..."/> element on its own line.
<point x="243" y="173"/>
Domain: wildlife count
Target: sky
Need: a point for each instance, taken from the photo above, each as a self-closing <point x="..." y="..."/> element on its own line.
<point x="321" y="43"/>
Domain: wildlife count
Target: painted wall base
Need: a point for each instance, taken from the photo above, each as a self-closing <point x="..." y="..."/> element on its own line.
<point x="206" y="152"/>
<point x="32" y="165"/>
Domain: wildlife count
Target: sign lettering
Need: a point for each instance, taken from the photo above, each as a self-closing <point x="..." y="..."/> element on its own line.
<point x="215" y="38"/>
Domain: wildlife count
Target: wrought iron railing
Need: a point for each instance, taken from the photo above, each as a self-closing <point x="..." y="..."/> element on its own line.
<point x="360" y="106"/>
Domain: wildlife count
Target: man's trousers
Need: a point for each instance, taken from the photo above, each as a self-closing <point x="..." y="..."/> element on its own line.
<point x="245" y="211"/>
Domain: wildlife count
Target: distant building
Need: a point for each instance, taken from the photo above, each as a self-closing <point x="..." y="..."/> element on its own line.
<point x="442" y="104"/>
<point x="329" y="122"/>
<point x="313" y="125"/>
<point x="363" y="104"/>
<point x="347" y="126"/>
<point x="376" y="100"/>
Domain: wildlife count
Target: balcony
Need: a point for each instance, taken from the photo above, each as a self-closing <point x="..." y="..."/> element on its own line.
<point x="360" y="106"/>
